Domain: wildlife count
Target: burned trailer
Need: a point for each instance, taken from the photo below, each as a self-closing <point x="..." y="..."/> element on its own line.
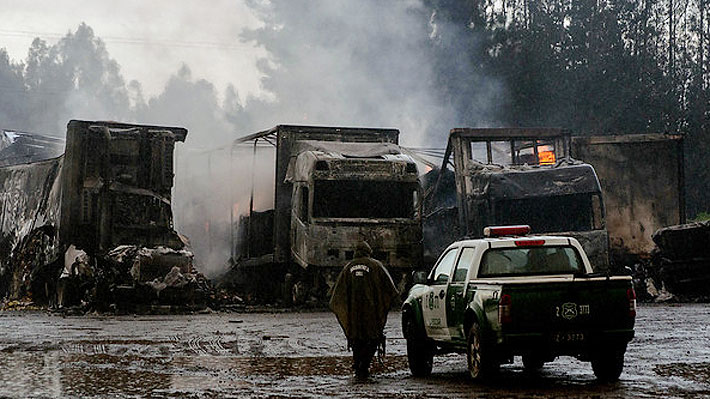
<point x="29" y="218"/>
<point x="117" y="185"/>
<point x="643" y="185"/>
<point x="30" y="168"/>
<point x="95" y="225"/>
<point x="334" y="187"/>
<point x="507" y="176"/>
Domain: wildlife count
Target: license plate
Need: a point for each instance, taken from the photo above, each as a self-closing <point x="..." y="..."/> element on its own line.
<point x="567" y="337"/>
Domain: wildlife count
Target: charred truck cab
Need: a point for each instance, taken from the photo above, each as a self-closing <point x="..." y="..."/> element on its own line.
<point x="510" y="176"/>
<point x="345" y="192"/>
<point x="334" y="187"/>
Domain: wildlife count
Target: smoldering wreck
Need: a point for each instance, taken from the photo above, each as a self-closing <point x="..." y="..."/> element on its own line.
<point x="334" y="186"/>
<point x="607" y="191"/>
<point x="92" y="225"/>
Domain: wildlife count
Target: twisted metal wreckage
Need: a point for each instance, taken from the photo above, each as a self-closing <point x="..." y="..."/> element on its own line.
<point x="92" y="225"/>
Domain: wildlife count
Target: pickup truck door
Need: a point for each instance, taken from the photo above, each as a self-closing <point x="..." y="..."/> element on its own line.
<point x="455" y="300"/>
<point x="434" y="298"/>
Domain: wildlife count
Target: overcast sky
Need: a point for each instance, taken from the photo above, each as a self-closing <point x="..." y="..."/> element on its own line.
<point x="149" y="39"/>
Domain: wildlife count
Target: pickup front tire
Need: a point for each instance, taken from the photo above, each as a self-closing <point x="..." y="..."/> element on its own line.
<point x="608" y="364"/>
<point x="420" y="350"/>
<point x="480" y="361"/>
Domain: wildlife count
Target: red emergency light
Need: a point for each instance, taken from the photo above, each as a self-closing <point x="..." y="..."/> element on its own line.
<point x="529" y="243"/>
<point x="500" y="231"/>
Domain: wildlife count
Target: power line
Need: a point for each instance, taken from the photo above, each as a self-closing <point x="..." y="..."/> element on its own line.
<point x="133" y="41"/>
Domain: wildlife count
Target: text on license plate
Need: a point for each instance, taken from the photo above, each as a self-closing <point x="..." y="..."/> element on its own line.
<point x="565" y="337"/>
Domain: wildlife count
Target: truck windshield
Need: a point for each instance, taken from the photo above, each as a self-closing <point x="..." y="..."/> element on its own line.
<point x="503" y="262"/>
<point x="550" y="214"/>
<point x="354" y="199"/>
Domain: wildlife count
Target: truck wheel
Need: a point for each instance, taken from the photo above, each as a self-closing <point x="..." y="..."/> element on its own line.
<point x="420" y="351"/>
<point x="532" y="363"/>
<point x="608" y="365"/>
<point x="480" y="361"/>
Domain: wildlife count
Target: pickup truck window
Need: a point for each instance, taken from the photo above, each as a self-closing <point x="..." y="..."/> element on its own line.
<point x="464" y="263"/>
<point x="502" y="262"/>
<point x="441" y="272"/>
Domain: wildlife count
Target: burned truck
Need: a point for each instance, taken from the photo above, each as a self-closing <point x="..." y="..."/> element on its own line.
<point x="334" y="187"/>
<point x="509" y="176"/>
<point x="95" y="221"/>
<point x="116" y="185"/>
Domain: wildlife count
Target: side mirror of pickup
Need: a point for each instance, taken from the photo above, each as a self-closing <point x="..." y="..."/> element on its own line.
<point x="419" y="277"/>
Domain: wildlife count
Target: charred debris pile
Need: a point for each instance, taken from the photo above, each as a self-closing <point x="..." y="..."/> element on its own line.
<point x="680" y="264"/>
<point x="92" y="228"/>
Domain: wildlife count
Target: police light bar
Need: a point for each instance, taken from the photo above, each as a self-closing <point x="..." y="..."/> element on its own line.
<point x="500" y="231"/>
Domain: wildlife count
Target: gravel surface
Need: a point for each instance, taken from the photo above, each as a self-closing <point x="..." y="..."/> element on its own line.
<point x="305" y="355"/>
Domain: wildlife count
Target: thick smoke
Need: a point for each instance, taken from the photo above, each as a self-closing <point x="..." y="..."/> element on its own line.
<point x="361" y="63"/>
<point x="329" y="62"/>
<point x="347" y="63"/>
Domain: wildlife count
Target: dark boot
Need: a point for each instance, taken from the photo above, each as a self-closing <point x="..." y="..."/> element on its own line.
<point x="363" y="352"/>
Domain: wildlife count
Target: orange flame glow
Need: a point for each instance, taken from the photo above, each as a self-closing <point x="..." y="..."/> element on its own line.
<point x="546" y="157"/>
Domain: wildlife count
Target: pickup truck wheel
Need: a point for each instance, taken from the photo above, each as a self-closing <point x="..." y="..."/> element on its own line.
<point x="420" y="351"/>
<point x="608" y="365"/>
<point x="480" y="362"/>
<point x="532" y="363"/>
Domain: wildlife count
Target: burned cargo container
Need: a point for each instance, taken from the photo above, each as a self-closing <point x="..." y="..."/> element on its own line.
<point x="510" y="176"/>
<point x="92" y="223"/>
<point x="117" y="185"/>
<point x="643" y="186"/>
<point x="334" y="187"/>
<point x="29" y="220"/>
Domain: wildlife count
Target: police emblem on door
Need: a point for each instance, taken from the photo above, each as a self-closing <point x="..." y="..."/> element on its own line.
<point x="569" y="310"/>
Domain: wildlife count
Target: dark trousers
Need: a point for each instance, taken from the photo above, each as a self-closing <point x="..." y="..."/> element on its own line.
<point x="363" y="352"/>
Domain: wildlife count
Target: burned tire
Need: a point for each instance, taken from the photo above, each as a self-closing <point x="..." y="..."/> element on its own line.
<point x="607" y="365"/>
<point x="481" y="363"/>
<point x="532" y="363"/>
<point x="420" y="350"/>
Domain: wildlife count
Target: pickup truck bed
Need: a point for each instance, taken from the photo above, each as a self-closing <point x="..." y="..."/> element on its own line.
<point x="570" y="317"/>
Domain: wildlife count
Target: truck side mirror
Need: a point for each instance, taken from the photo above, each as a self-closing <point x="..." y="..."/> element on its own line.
<point x="419" y="277"/>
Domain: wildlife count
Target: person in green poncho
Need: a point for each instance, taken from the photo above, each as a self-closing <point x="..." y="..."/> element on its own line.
<point x="361" y="299"/>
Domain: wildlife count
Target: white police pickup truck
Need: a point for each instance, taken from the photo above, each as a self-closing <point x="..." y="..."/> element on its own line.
<point x="510" y="294"/>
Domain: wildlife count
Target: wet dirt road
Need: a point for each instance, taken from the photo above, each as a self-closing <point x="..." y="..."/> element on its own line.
<point x="304" y="355"/>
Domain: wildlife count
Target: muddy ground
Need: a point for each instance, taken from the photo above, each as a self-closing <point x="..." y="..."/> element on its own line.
<point x="304" y="355"/>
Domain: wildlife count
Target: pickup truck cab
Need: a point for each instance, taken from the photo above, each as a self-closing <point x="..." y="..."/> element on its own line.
<point x="509" y="295"/>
